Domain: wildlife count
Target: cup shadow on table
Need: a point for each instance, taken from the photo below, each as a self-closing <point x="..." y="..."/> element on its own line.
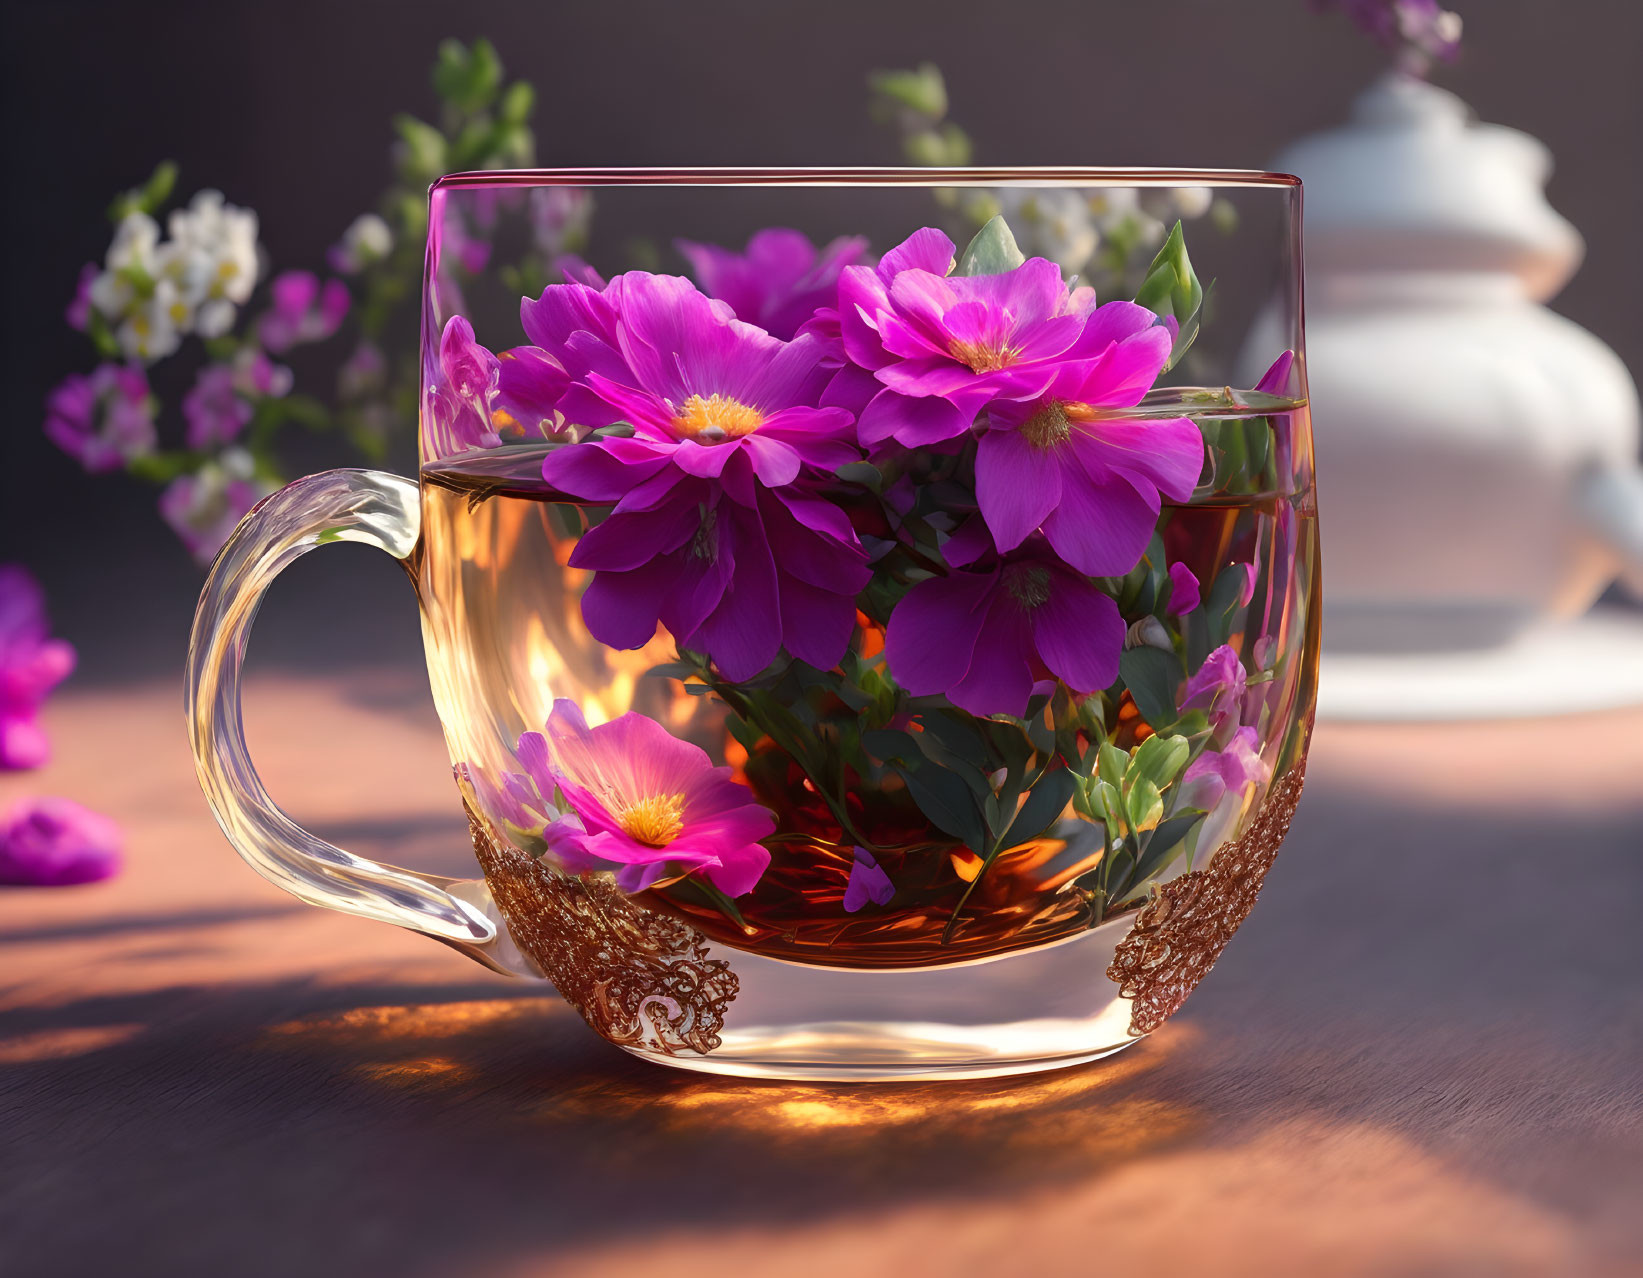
<point x="370" y="1126"/>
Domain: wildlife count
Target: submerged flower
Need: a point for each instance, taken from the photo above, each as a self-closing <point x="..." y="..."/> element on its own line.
<point x="105" y="420"/>
<point x="1230" y="770"/>
<point x="203" y="508"/>
<point x="1217" y="687"/>
<point x="1184" y="594"/>
<point x="303" y="310"/>
<point x="868" y="882"/>
<point x="647" y="803"/>
<point x="779" y="282"/>
<point x="712" y="534"/>
<point x="943" y="347"/>
<point x="31" y="665"/>
<point x="53" y="843"/>
<point x="1094" y="483"/>
<point x="986" y="637"/>
<point x="213" y="409"/>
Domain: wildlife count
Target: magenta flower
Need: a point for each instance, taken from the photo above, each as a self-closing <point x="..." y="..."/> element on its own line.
<point x="648" y="804"/>
<point x="868" y="882"/>
<point x="1229" y="770"/>
<point x="712" y="534"/>
<point x="1217" y="687"/>
<point x="1093" y="483"/>
<point x="256" y="374"/>
<point x="204" y="508"/>
<point x="303" y="310"/>
<point x="941" y="348"/>
<point x="1423" y="28"/>
<point x="105" y="420"/>
<point x="1184" y="593"/>
<point x="986" y="638"/>
<point x="469" y="377"/>
<point x="31" y="665"/>
<point x="779" y="282"/>
<point x="1275" y="381"/>
<point x="54" y="843"/>
<point x="213" y="409"/>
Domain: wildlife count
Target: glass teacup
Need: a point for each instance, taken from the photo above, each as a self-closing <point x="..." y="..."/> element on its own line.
<point x="884" y="650"/>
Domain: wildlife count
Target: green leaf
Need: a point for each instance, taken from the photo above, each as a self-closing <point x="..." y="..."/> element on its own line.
<point x="1044" y="804"/>
<point x="922" y="91"/>
<point x="888" y="745"/>
<point x="517" y="103"/>
<point x="423" y="156"/>
<point x="1157" y="759"/>
<point x="1170" y="286"/>
<point x="1112" y="765"/>
<point x="992" y="252"/>
<point x="1143" y="805"/>
<point x="947" y="802"/>
<point x="861" y="472"/>
<point x="1152" y="677"/>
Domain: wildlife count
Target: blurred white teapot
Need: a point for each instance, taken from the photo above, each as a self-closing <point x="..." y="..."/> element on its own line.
<point x="1477" y="453"/>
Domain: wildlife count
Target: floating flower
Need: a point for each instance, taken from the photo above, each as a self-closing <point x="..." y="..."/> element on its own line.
<point x="303" y="310"/>
<point x="213" y="409"/>
<point x="203" y="508"/>
<point x="712" y="534"/>
<point x="986" y="637"/>
<point x="779" y="282"/>
<point x="366" y="242"/>
<point x="943" y="347"/>
<point x="648" y="804"/>
<point x="1184" y="593"/>
<point x="868" y="882"/>
<point x="105" y="420"/>
<point x="31" y="665"/>
<point x="54" y="843"/>
<point x="1092" y="482"/>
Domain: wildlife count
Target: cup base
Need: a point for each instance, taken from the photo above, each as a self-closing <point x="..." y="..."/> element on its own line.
<point x="1041" y="1009"/>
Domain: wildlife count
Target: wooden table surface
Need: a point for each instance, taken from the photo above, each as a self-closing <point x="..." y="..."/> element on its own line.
<point x="1423" y="1055"/>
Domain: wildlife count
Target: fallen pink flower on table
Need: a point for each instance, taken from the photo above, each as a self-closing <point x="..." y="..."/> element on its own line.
<point x="48" y="842"/>
<point x="31" y="665"/>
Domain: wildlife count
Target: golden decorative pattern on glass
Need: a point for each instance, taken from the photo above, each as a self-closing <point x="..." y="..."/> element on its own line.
<point x="1180" y="933"/>
<point x="640" y="978"/>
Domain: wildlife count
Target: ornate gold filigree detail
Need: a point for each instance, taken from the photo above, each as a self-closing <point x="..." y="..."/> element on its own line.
<point x="640" y="978"/>
<point x="1182" y="930"/>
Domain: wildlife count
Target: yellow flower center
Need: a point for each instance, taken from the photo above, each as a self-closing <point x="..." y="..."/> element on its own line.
<point x="716" y="418"/>
<point x="981" y="357"/>
<point x="655" y="821"/>
<point x="1053" y="424"/>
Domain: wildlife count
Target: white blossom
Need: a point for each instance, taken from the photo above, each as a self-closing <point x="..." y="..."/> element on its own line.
<point x="368" y="239"/>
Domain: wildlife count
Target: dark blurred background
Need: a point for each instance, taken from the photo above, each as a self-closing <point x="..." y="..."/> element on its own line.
<point x="285" y="108"/>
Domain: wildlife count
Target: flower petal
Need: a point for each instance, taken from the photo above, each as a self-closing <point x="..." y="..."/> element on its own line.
<point x="1017" y="485"/>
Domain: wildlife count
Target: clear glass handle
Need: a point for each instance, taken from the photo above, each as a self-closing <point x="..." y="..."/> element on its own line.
<point x="338" y="505"/>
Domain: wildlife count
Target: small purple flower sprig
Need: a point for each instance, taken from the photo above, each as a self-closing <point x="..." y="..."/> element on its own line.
<point x="1418" y="32"/>
<point x="917" y="543"/>
<point x="196" y="286"/>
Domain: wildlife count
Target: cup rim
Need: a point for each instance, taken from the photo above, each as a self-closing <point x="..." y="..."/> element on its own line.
<point x="1047" y="176"/>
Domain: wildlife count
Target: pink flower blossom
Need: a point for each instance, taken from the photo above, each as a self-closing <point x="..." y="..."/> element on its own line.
<point x="942" y="347"/>
<point x="213" y="409"/>
<point x="53" y="843"/>
<point x="105" y="420"/>
<point x="868" y="882"/>
<point x="204" y="508"/>
<point x="31" y="665"/>
<point x="646" y="803"/>
<point x="1226" y="771"/>
<point x="1184" y="593"/>
<point x="986" y="638"/>
<point x="1217" y="687"/>
<point x="779" y="282"/>
<point x="303" y="310"/>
